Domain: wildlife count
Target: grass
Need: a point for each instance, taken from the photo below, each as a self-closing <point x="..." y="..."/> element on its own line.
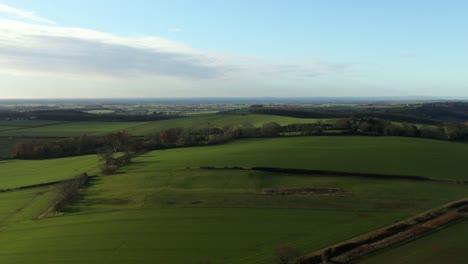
<point x="387" y="155"/>
<point x="444" y="246"/>
<point x="28" y="123"/>
<point x="139" y="187"/>
<point x="153" y="216"/>
<point x="239" y="235"/>
<point x="68" y="129"/>
<point x="3" y="128"/>
<point x="218" y="120"/>
<point x="157" y="210"/>
<point x="17" y="173"/>
<point x="25" y="204"/>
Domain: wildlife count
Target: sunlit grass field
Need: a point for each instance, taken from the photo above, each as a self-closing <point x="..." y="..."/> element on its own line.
<point x="69" y="129"/>
<point x="17" y="173"/>
<point x="385" y="155"/>
<point x="164" y="204"/>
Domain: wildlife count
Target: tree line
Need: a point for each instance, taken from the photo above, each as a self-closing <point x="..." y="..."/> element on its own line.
<point x="73" y="115"/>
<point x="380" y="127"/>
<point x="123" y="142"/>
<point x="75" y="146"/>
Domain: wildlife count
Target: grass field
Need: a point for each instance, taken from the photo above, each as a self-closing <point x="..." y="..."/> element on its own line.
<point x="156" y="210"/>
<point x="234" y="235"/>
<point x="217" y="120"/>
<point x="28" y="123"/>
<point x="17" y="173"/>
<point x="27" y="204"/>
<point x="139" y="187"/>
<point x="446" y="246"/>
<point x="386" y="155"/>
<point x="69" y="129"/>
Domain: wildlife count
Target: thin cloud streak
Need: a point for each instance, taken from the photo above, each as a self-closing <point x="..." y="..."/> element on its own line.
<point x="24" y="14"/>
<point x="32" y="49"/>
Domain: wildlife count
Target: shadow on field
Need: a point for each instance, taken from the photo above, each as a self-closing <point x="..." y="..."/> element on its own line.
<point x="89" y="197"/>
<point x="108" y="201"/>
<point x="143" y="163"/>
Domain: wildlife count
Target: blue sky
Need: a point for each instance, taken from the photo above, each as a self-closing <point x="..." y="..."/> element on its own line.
<point x="232" y="48"/>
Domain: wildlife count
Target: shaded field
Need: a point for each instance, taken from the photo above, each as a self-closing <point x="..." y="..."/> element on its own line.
<point x="28" y="123"/>
<point x="3" y="128"/>
<point x="443" y="246"/>
<point x="397" y="233"/>
<point x="17" y="173"/>
<point x="380" y="155"/>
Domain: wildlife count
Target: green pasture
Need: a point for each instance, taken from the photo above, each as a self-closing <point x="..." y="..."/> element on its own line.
<point x="35" y="128"/>
<point x="17" y="173"/>
<point x="218" y="120"/>
<point x="446" y="246"/>
<point x="191" y="235"/>
<point x="25" y="204"/>
<point x="386" y="155"/>
<point x="163" y="208"/>
<point x="3" y="128"/>
<point x="28" y="123"/>
<point x="140" y="188"/>
<point x="70" y="129"/>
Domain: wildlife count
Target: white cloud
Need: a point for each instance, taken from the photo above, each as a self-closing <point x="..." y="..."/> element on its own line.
<point x="24" y="14"/>
<point x="32" y="49"/>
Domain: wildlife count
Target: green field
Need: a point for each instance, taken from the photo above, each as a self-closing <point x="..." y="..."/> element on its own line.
<point x="220" y="235"/>
<point x="69" y="129"/>
<point x="27" y="204"/>
<point x="156" y="210"/>
<point x="446" y="246"/>
<point x="386" y="155"/>
<point x="217" y="120"/>
<point x="17" y="173"/>
<point x="28" y="123"/>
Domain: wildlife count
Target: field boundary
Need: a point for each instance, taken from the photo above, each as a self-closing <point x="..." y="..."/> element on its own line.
<point x="39" y="185"/>
<point x="307" y="172"/>
<point x="389" y="236"/>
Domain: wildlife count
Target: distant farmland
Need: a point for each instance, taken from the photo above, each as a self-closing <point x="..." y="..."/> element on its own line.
<point x="67" y="129"/>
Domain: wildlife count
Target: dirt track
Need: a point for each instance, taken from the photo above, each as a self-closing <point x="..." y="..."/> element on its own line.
<point x="397" y="233"/>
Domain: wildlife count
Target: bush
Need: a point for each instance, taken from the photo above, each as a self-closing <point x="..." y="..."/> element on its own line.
<point x="69" y="191"/>
<point x="286" y="254"/>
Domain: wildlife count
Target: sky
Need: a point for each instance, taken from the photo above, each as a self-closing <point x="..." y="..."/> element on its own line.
<point x="232" y="48"/>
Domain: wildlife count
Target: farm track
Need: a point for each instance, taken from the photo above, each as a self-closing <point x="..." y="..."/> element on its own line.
<point x="395" y="234"/>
